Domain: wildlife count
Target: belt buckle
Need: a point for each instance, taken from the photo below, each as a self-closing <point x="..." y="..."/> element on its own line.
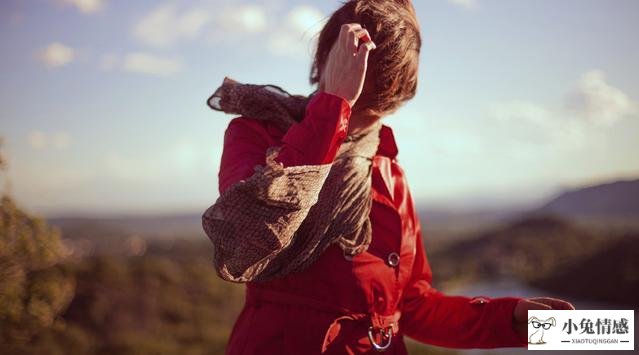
<point x="387" y="333"/>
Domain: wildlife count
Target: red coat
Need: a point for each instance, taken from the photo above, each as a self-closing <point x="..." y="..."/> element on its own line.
<point x="331" y="306"/>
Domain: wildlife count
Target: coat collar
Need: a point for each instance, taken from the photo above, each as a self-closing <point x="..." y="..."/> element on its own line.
<point x="387" y="145"/>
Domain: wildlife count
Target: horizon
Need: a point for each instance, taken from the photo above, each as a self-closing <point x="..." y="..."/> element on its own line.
<point x="104" y="103"/>
<point x="460" y="208"/>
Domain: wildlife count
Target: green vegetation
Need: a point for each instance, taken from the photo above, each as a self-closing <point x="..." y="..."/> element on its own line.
<point x="35" y="287"/>
<point x="151" y="304"/>
<point x="165" y="298"/>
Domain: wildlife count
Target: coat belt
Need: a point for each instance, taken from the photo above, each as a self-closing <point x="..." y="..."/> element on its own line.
<point x="377" y="321"/>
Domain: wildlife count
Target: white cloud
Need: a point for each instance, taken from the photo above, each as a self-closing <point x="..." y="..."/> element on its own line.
<point x="86" y="6"/>
<point x="247" y="19"/>
<point x="165" y="25"/>
<point x="141" y="63"/>
<point x="593" y="104"/>
<point x="233" y="23"/>
<point x="56" y="55"/>
<point x="305" y="17"/>
<point x="531" y="125"/>
<point x="150" y="64"/>
<point x="467" y="4"/>
<point x="192" y="21"/>
<point x="521" y="111"/>
<point x="168" y="24"/>
<point x="43" y="140"/>
<point x="598" y="102"/>
<point x="293" y="37"/>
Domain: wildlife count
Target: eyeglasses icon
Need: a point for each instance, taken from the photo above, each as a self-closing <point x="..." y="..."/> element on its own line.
<point x="546" y="326"/>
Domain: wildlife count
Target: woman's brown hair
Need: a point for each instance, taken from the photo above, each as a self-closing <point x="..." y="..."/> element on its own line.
<point x="391" y="77"/>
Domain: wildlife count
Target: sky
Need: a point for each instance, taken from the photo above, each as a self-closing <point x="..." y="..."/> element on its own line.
<point x="103" y="102"/>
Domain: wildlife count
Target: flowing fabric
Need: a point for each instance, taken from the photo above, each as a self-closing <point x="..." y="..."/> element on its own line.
<point x="280" y="219"/>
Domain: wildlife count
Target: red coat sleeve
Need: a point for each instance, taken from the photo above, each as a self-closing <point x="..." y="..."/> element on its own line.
<point x="315" y="140"/>
<point x="432" y="317"/>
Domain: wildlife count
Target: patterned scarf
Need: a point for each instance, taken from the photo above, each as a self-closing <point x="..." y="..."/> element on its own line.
<point x="281" y="219"/>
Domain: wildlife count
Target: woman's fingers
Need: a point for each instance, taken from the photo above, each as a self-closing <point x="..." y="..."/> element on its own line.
<point x="362" y="54"/>
<point x="521" y="309"/>
<point x="367" y="46"/>
<point x="347" y="31"/>
<point x="348" y="27"/>
<point x="349" y="35"/>
<point x="357" y="34"/>
<point x="364" y="38"/>
<point x="345" y="68"/>
<point x="542" y="303"/>
<point x="555" y="303"/>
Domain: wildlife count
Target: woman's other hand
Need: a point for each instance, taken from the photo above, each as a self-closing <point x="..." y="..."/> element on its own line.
<point x="520" y="314"/>
<point x="345" y="68"/>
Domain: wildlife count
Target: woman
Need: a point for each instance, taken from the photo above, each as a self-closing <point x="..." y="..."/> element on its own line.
<point x="315" y="214"/>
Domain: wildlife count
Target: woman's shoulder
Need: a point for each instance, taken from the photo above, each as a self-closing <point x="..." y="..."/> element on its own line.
<point x="246" y="128"/>
<point x="245" y="124"/>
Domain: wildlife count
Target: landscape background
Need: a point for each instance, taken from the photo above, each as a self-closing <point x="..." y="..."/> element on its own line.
<point x="520" y="150"/>
<point x="145" y="285"/>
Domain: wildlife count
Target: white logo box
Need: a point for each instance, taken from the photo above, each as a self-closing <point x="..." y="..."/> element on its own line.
<point x="581" y="329"/>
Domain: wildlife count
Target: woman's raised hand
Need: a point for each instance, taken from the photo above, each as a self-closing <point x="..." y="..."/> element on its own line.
<point x="345" y="68"/>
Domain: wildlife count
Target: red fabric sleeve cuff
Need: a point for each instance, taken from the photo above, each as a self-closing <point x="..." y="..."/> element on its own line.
<point x="501" y="308"/>
<point x="318" y="137"/>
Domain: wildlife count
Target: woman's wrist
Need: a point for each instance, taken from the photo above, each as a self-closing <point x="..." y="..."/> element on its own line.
<point x="336" y="93"/>
<point x="342" y="97"/>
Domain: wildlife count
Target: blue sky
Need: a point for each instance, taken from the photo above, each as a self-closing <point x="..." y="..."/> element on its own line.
<point x="103" y="102"/>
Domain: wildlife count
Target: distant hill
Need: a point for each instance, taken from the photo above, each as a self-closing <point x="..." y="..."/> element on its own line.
<point x="615" y="199"/>
<point x="549" y="253"/>
<point x="178" y="225"/>
<point x="529" y="249"/>
<point x="609" y="275"/>
<point x="126" y="235"/>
